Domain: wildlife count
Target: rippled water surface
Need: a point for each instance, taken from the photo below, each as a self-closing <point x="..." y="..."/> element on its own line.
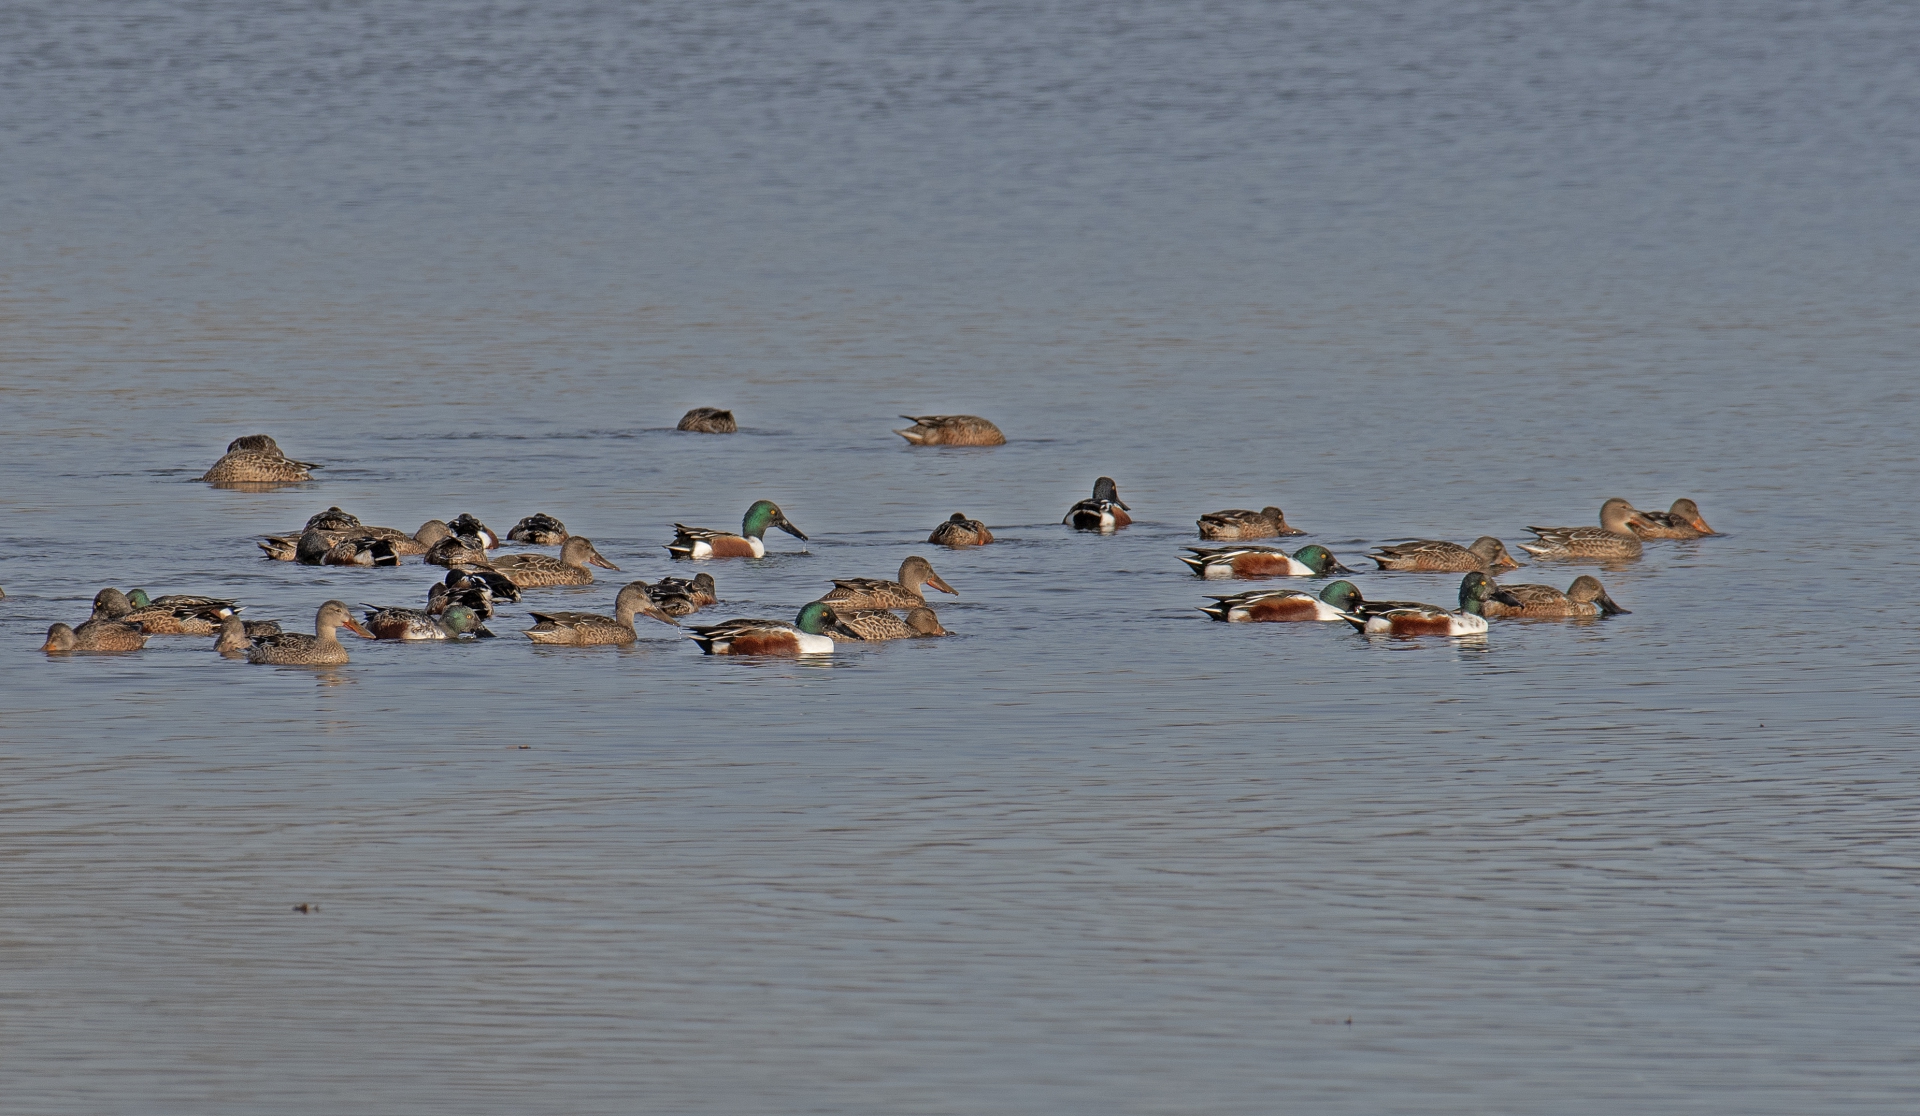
<point x="1405" y="270"/>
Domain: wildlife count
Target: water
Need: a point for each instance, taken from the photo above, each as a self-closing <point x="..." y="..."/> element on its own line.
<point x="1405" y="272"/>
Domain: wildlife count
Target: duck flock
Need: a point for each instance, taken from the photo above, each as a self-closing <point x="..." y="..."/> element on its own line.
<point x="479" y="578"/>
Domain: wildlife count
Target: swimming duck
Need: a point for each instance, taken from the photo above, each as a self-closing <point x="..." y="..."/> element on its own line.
<point x="702" y="542"/>
<point x="532" y="571"/>
<point x="1614" y="538"/>
<point x="466" y="524"/>
<point x="951" y="430"/>
<point x="1105" y="512"/>
<point x="1681" y="521"/>
<point x="175" y="613"/>
<point x="321" y="648"/>
<point x="1261" y="561"/>
<point x="237" y="635"/>
<point x="1268" y="606"/>
<point x="855" y="593"/>
<point x="679" y="596"/>
<point x="333" y="519"/>
<point x="1424" y="619"/>
<point x="1239" y="523"/>
<point x="94" y="635"/>
<point x="959" y="531"/>
<point x="807" y="635"/>
<point x="458" y="550"/>
<point x="539" y="529"/>
<point x="256" y="459"/>
<point x="879" y="625"/>
<point x="708" y="420"/>
<point x="583" y="629"/>
<point x="1585" y="597"/>
<point x="1486" y="554"/>
<point x="420" y="624"/>
<point x="465" y="586"/>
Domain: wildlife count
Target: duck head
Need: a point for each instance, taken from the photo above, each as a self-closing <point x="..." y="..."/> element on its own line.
<point x="764" y="514"/>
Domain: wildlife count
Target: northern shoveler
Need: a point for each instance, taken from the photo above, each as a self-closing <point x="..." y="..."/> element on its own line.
<point x="321" y="648"/>
<point x="532" y="571"/>
<point x="807" y="635"/>
<point x="1681" y="521"/>
<point x="959" y="531"/>
<point x="1485" y="554"/>
<point x="458" y="550"/>
<point x="466" y="524"/>
<point x="1104" y="512"/>
<point x="237" y="635"/>
<point x="679" y="596"/>
<point x="585" y="629"/>
<point x="1261" y="561"/>
<point x="1267" y="606"/>
<point x="879" y="625"/>
<point x="173" y="614"/>
<point x="708" y="420"/>
<point x="539" y="529"/>
<point x="478" y="589"/>
<point x="703" y="542"/>
<point x="856" y="593"/>
<point x="257" y="459"/>
<point x="388" y="622"/>
<point x="1239" y="523"/>
<point x="1585" y="597"/>
<point x="1424" y="619"/>
<point x="94" y="635"/>
<point x="1614" y="538"/>
<point x="951" y="430"/>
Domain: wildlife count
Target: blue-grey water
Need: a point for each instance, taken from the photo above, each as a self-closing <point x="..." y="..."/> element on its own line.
<point x="1433" y="270"/>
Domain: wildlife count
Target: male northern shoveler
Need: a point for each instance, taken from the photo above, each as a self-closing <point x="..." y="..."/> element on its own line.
<point x="1261" y="561"/>
<point x="458" y="550"/>
<point x="1585" y="597"/>
<point x="1485" y="554"/>
<point x="679" y="596"/>
<point x="532" y="571"/>
<point x="321" y="648"/>
<point x="412" y="624"/>
<point x="1681" y="521"/>
<point x="703" y="542"/>
<point x="94" y="635"/>
<point x="466" y="524"/>
<point x="951" y="430"/>
<point x="1104" y="512"/>
<point x="708" y="420"/>
<point x="879" y="625"/>
<point x="1239" y="523"/>
<point x="256" y="459"/>
<point x="959" y="531"/>
<point x="856" y="593"/>
<point x="1267" y="606"/>
<point x="1614" y="538"/>
<point x="237" y="635"/>
<point x="807" y="635"/>
<point x="588" y="629"/>
<point x="1424" y="619"/>
<point x="539" y="529"/>
<point x="173" y="614"/>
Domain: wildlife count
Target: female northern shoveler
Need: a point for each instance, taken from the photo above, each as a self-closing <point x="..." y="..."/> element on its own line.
<point x="679" y="596"/>
<point x="532" y="571"/>
<point x="959" y="531"/>
<point x="539" y="529"/>
<point x="237" y="635"/>
<point x="457" y="550"/>
<point x="1424" y="619"/>
<point x="94" y="635"/>
<point x="879" y="625"/>
<point x="1614" y="538"/>
<point x="807" y="635"/>
<point x="319" y="649"/>
<point x="386" y="622"/>
<point x="1267" y="606"/>
<point x="1104" y="512"/>
<point x="1585" y="597"/>
<point x="256" y="459"/>
<point x="1262" y="561"/>
<point x="1681" y="521"/>
<point x="856" y="593"/>
<point x="703" y="542"/>
<point x="1239" y="523"/>
<point x="1486" y="554"/>
<point x="951" y="430"/>
<point x="708" y="420"/>
<point x="585" y="629"/>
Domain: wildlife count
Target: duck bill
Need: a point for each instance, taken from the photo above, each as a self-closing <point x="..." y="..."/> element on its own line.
<point x="358" y="629"/>
<point x="1700" y="525"/>
<point x="789" y="528"/>
<point x="1506" y="562"/>
<point x="1506" y="598"/>
<point x="597" y="560"/>
<point x="938" y="583"/>
<point x="1608" y="608"/>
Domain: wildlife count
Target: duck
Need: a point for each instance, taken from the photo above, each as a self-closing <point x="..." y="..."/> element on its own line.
<point x="420" y="624"/>
<point x="237" y="635"/>
<point x="703" y="542"/>
<point x="1485" y="554"/>
<point x="807" y="635"/>
<point x="1239" y="523"/>
<point x="174" y="614"/>
<point x="1681" y="521"/>
<point x="679" y="596"/>
<point x="1585" y="597"/>
<point x="532" y="571"/>
<point x="951" y="430"/>
<point x="1261" y="561"/>
<point x="959" y="531"/>
<point x="333" y="519"/>
<point x="1614" y="538"/>
<point x="94" y="635"/>
<point x="856" y="593"/>
<point x="465" y="586"/>
<point x="708" y="420"/>
<point x="1268" y="606"/>
<point x="1105" y="512"/>
<point x="584" y="629"/>
<point x="1424" y="619"/>
<point x="257" y="459"/>
<point x="458" y="550"/>
<point x="321" y="648"/>
<point x="539" y="529"/>
<point x="316" y="547"/>
<point x="466" y="524"/>
<point x="879" y="625"/>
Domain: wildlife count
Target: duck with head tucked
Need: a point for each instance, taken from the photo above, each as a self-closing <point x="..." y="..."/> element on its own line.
<point x="539" y="529"/>
<point x="856" y="593"/>
<point x="1485" y="554"/>
<point x="959" y="531"/>
<point x="951" y="430"/>
<point x="1424" y="619"/>
<point x="704" y="542"/>
<point x="807" y="635"/>
<point x="588" y="629"/>
<point x="1681" y="521"/>
<point x="1586" y="597"/>
<point x="1279" y="606"/>
<point x="1261" y="561"/>
<point x="708" y="420"/>
<point x="1613" y="539"/>
<point x="532" y="571"/>
<point x="257" y="459"/>
<point x="1104" y="511"/>
<point x="322" y="648"/>
<point x="1240" y="523"/>
<point x="680" y="596"/>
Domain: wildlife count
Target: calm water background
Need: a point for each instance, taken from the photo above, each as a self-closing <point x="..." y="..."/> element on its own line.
<point x="1406" y="270"/>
